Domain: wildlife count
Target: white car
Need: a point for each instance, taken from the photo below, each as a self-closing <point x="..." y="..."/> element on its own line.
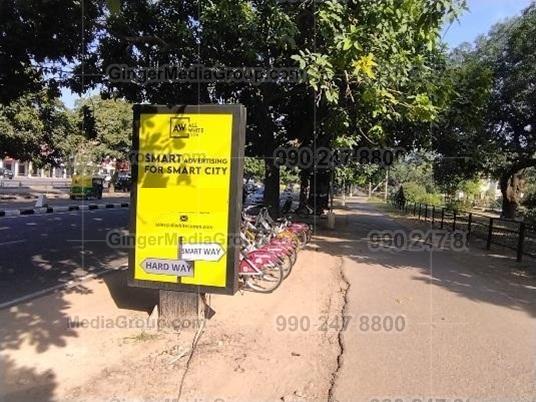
<point x="255" y="198"/>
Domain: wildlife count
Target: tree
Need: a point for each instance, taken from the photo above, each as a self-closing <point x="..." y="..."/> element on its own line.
<point x="415" y="174"/>
<point x="39" y="128"/>
<point x="416" y="167"/>
<point x="373" y="68"/>
<point x="511" y="120"/>
<point x="492" y="115"/>
<point x="107" y="125"/>
<point x="35" y="52"/>
<point x="369" y="66"/>
<point x="222" y="34"/>
<point x="458" y="137"/>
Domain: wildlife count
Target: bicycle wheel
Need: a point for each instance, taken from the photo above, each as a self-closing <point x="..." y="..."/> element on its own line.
<point x="293" y="257"/>
<point x="268" y="281"/>
<point x="286" y="265"/>
<point x="303" y="239"/>
<point x="290" y="236"/>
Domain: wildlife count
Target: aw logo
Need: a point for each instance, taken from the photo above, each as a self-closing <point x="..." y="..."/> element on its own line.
<point x="179" y="127"/>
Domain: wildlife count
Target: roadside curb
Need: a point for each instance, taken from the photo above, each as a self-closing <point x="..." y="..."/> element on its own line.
<point x="64" y="208"/>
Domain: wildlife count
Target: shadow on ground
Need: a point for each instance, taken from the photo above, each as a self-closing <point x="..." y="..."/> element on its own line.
<point x="130" y="298"/>
<point x="31" y="385"/>
<point x="41" y="326"/>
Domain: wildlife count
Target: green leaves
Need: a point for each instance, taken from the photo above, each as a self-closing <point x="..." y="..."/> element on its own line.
<point x="490" y="97"/>
<point x="378" y="61"/>
<point x="33" y="50"/>
<point x="35" y="127"/>
<point x="422" y="108"/>
<point x="107" y="125"/>
<point x="320" y="74"/>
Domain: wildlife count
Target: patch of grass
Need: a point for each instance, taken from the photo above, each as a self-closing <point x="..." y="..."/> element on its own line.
<point x="379" y="203"/>
<point x="141" y="337"/>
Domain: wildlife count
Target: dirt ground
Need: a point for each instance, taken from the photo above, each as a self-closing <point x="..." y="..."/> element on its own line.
<point x="257" y="347"/>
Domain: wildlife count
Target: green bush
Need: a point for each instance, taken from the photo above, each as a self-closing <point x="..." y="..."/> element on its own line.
<point x="458" y="205"/>
<point x="415" y="192"/>
<point x="432" y="199"/>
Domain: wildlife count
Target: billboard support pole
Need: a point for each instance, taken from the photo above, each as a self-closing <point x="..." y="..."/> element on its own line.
<point x="174" y="308"/>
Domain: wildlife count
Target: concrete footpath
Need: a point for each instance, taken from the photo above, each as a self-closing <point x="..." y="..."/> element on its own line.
<point x="451" y="325"/>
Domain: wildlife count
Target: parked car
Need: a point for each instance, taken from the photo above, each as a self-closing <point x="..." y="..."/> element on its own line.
<point x="122" y="181"/>
<point x="255" y="197"/>
<point x="286" y="198"/>
<point x="6" y="173"/>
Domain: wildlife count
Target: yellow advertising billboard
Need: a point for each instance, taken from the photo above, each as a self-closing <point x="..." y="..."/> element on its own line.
<point x="186" y="197"/>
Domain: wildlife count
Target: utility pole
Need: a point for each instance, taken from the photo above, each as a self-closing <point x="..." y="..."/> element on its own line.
<point x="386" y="184"/>
<point x="343" y="192"/>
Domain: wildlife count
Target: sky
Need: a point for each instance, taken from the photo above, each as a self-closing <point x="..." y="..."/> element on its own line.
<point x="480" y="17"/>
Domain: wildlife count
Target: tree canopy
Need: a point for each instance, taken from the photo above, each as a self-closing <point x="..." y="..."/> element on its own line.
<point x="37" y="127"/>
<point x="489" y="124"/>
<point x="107" y="125"/>
<point x="376" y="74"/>
<point x="39" y="41"/>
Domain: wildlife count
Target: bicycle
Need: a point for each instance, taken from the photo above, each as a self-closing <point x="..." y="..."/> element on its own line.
<point x="268" y="250"/>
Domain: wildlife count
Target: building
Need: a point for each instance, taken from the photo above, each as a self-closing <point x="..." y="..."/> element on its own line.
<point x="20" y="169"/>
<point x="27" y="169"/>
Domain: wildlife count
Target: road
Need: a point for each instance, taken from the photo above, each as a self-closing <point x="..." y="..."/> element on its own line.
<point x="41" y="251"/>
<point x="469" y="328"/>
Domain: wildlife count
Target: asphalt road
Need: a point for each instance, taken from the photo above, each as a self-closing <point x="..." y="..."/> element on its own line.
<point x="432" y="325"/>
<point x="38" y="252"/>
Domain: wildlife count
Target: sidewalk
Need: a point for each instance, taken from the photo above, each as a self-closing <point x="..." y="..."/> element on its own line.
<point x="469" y="326"/>
<point x="61" y="202"/>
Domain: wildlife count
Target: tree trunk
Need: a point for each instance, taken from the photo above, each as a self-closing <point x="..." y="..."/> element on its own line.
<point x="319" y="191"/>
<point x="511" y="186"/>
<point x="304" y="188"/>
<point x="271" y="186"/>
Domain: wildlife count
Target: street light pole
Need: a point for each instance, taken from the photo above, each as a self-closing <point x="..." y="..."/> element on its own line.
<point x="386" y="184"/>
